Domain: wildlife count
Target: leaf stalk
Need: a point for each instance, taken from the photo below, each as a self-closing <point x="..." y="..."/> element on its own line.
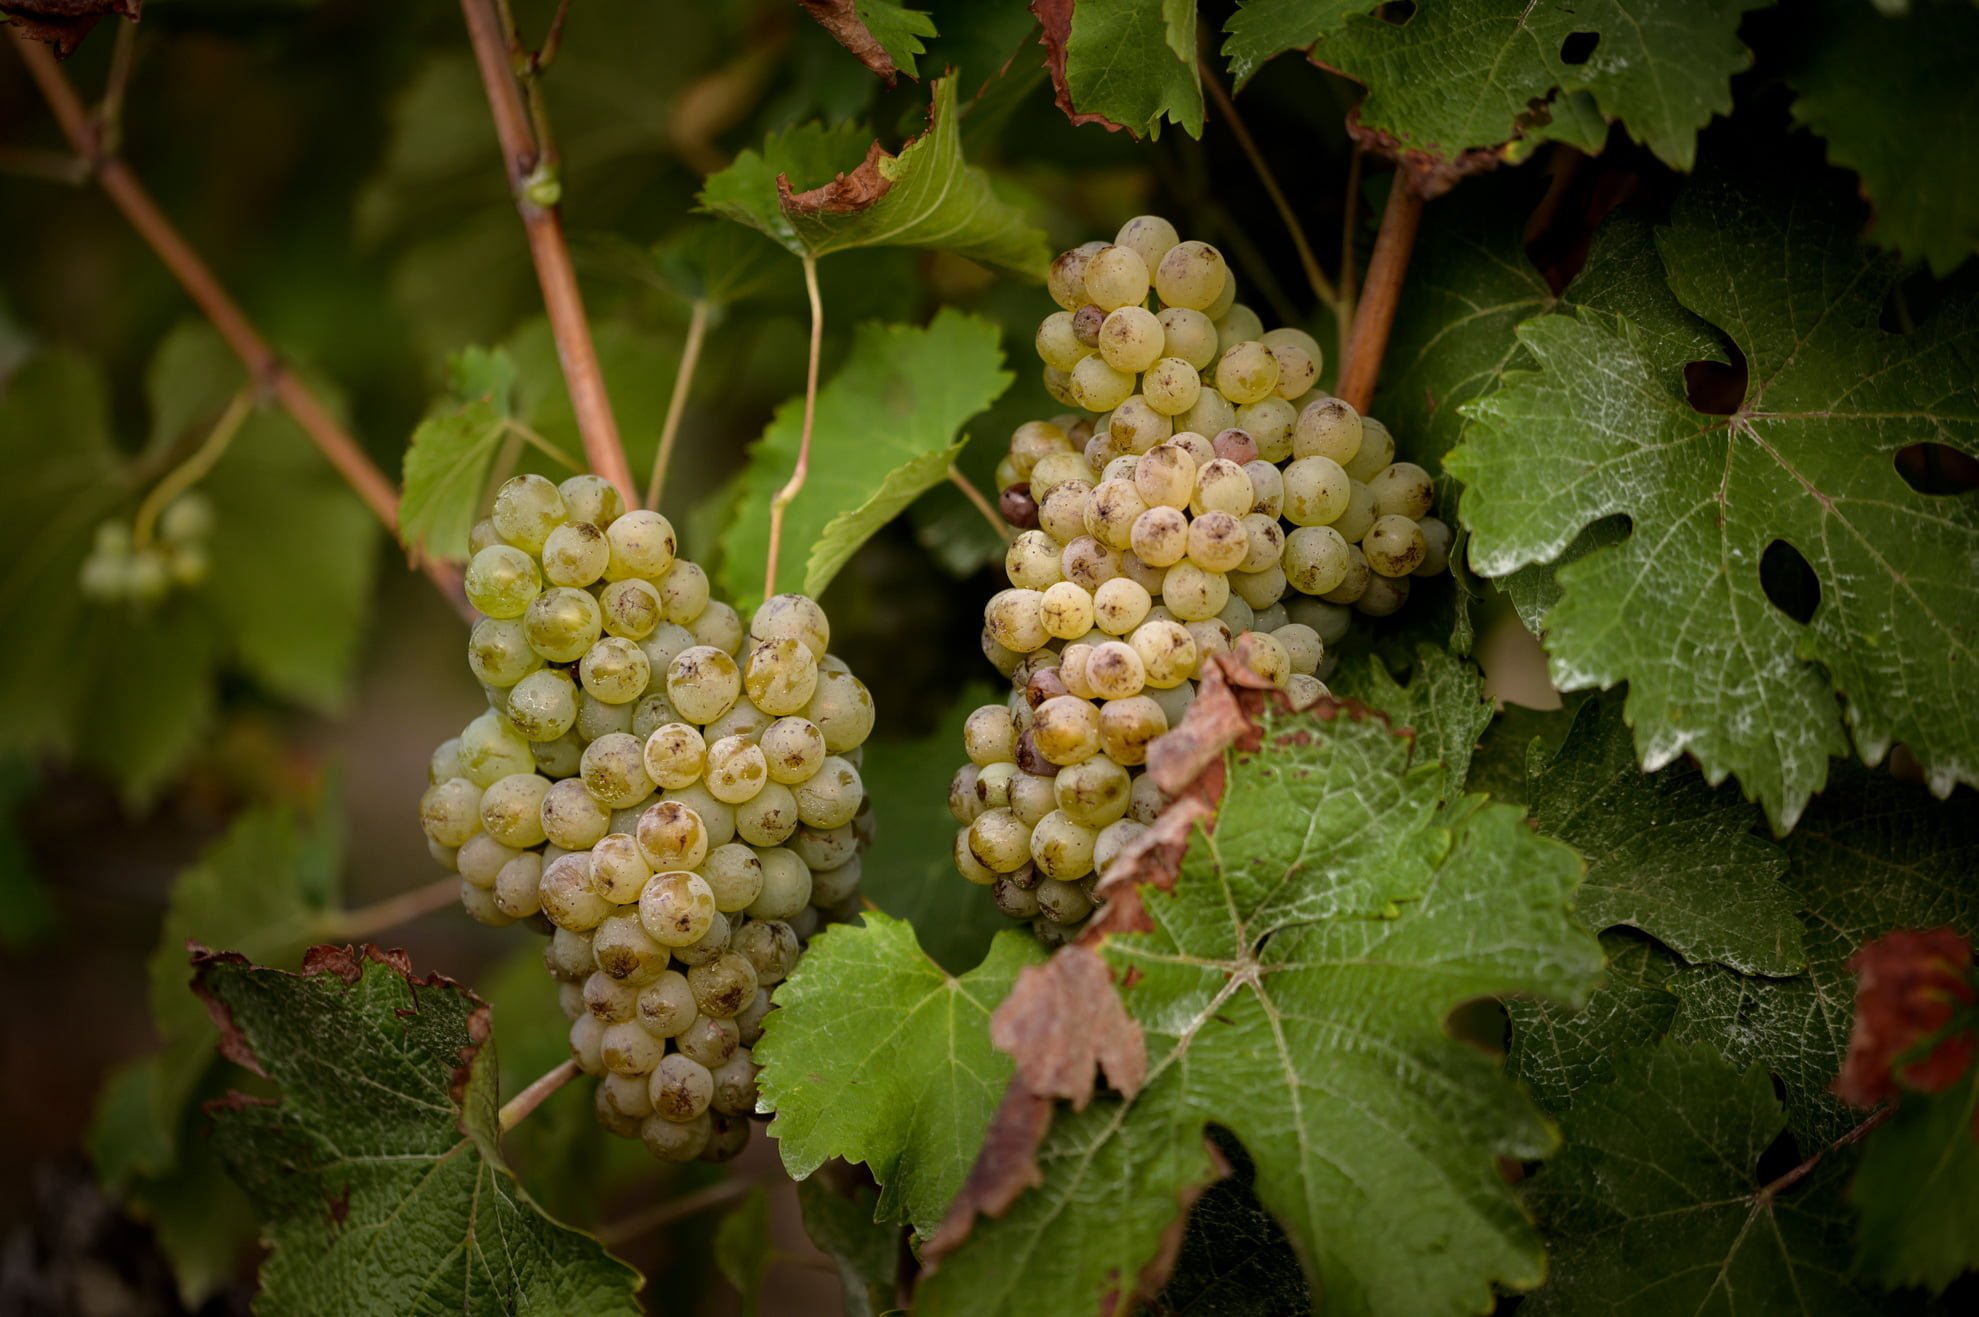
<point x="788" y="493"/>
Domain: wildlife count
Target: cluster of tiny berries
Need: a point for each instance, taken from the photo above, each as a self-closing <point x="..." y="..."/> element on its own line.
<point x="117" y="567"/>
<point x="674" y="798"/>
<point x="1213" y="501"/>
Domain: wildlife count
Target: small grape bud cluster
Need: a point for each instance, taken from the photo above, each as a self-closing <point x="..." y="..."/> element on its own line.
<point x="673" y="798"/>
<point x="1218" y="503"/>
<point x="118" y="567"/>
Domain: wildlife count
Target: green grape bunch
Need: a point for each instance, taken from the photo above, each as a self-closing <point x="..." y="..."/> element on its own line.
<point x="1208" y="498"/>
<point x="142" y="569"/>
<point x="674" y="798"/>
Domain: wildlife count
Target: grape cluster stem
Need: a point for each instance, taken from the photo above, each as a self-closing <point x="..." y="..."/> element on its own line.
<point x="191" y="471"/>
<point x="663" y="1214"/>
<point x="121" y="185"/>
<point x="517" y="1109"/>
<point x="543" y="226"/>
<point x="683" y="381"/>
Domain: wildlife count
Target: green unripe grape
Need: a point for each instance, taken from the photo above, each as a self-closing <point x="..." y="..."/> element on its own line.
<point x="572" y="817"/>
<point x="614" y="770"/>
<point x="702" y="682"/>
<point x="1377" y="451"/>
<point x="786" y="885"/>
<point x="1192" y="275"/>
<point x="793" y="749"/>
<point x="1316" y="559"/>
<point x="498" y="652"/>
<point x="490" y="749"/>
<point x="631" y="608"/>
<point x="842" y="709"/>
<point x="716" y="817"/>
<point x="1394" y="546"/>
<point x="770" y="816"/>
<point x="597" y="719"/>
<point x="543" y="705"/>
<point x="561" y="623"/>
<point x="684" y="593"/>
<point x="614" y="670"/>
<point x="512" y="810"/>
<point x="1316" y="491"/>
<point x="575" y="554"/>
<point x="517" y="888"/>
<point x="501" y="580"/>
<point x="666" y="1006"/>
<point x="527" y="509"/>
<point x="592" y="499"/>
<point x="187" y="518"/>
<point x="642" y="544"/>
<point x="676" y="908"/>
<point x="450" y="811"/>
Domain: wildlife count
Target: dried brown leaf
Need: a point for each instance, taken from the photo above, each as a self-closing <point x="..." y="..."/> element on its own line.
<point x="1064" y="1023"/>
<point x="64" y="23"/>
<point x="845" y="194"/>
<point x="841" y="19"/>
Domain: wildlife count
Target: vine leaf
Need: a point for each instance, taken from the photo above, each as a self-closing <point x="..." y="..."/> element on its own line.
<point x="1124" y="63"/>
<point x="1918" y="1189"/>
<point x="867" y="1253"/>
<point x="1464" y="75"/>
<point x="1872" y="855"/>
<point x="1657" y="1205"/>
<point x="1443" y="703"/>
<point x="1555" y="1052"/>
<point x="1861" y="77"/>
<point x="743" y="1251"/>
<point x="1261" y="30"/>
<point x="884" y="432"/>
<point x="64" y="23"/>
<point x="1665" y="853"/>
<point x="1603" y="426"/>
<point x="400" y="1202"/>
<point x="1292" y="987"/>
<point x="912" y="877"/>
<point x="881" y="34"/>
<point x="448" y="461"/>
<point x="809" y="190"/>
<point x="130" y="692"/>
<point x="877" y="1055"/>
<point x="1915" y="1029"/>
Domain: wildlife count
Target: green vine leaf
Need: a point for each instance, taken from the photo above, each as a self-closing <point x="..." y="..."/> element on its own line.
<point x="129" y="691"/>
<point x="877" y="1055"/>
<point x="1603" y="426"/>
<point x="867" y="1253"/>
<point x="1918" y="1190"/>
<point x="1557" y="1051"/>
<point x="1261" y="30"/>
<point x="743" y="1250"/>
<point x="1657" y="1204"/>
<point x="446" y="465"/>
<point x="1124" y="63"/>
<point x="399" y="1203"/>
<point x="1873" y="855"/>
<point x="882" y="34"/>
<point x="1665" y="853"/>
<point x="808" y="190"/>
<point x="1443" y="703"/>
<point x="1865" y="80"/>
<point x="1293" y="989"/>
<point x="885" y="431"/>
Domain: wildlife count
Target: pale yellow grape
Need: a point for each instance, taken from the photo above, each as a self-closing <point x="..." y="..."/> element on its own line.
<point x="1031" y="561"/>
<point x="498" y="652"/>
<point x="999" y="841"/>
<point x="1259" y="589"/>
<point x="631" y="608"/>
<point x="1065" y="730"/>
<point x="1328" y="427"/>
<point x="963" y="801"/>
<point x="1246" y="372"/>
<point x="831" y="797"/>
<point x="585" y="1032"/>
<point x="827" y="848"/>
<point x="1160" y="536"/>
<point x="1111" y="512"/>
<point x="1267" y="487"/>
<point x="1136" y="426"/>
<point x="683" y="593"/>
<point x="1212" y="636"/>
<point x="843" y="710"/>
<point x="1211" y="413"/>
<point x="1316" y="559"/>
<point x="1225" y="299"/>
<point x="1058" y="343"/>
<point x="1068" y="611"/>
<point x="1188" y="336"/>
<point x="626" y="1049"/>
<point x="1199" y="448"/>
<point x="737" y="770"/>
<point x="1237" y="615"/>
<point x="570" y="899"/>
<point x="989" y="735"/>
<point x="702" y="682"/>
<point x="768" y="818"/>
<point x="642" y="544"/>
<point x="1063" y="850"/>
<point x="1264" y="542"/>
<point x="1114" y="838"/>
<point x="1356" y="581"/>
<point x="1286" y="336"/>
<point x="1056" y="468"/>
<point x="1141" y="572"/>
<point x="527" y="509"/>
<point x="720" y="626"/>
<point x="734" y="875"/>
<point x="1384" y="595"/>
<point x="1072" y="669"/>
<point x="1269" y="422"/>
<point x="675" y="755"/>
<point x="619" y="868"/>
<point x="481" y="857"/>
<point x="676" y="908"/>
<point x="591" y="498"/>
<point x="722" y="987"/>
<point x="1016" y="618"/>
<point x="793" y="748"/>
<point x="1126" y="727"/>
<point x="1151" y="236"/>
<point x="1130" y="339"/>
<point x="445" y="761"/>
<point x="1354" y="523"/>
<point x="993" y="782"/>
<point x="562" y="622"/>
<point x="575" y="554"/>
<point x="607" y="999"/>
<point x="1119" y="466"/>
<point x="595" y="718"/>
<point x="1222" y="486"/>
<point x="1062" y="512"/>
<point x="1297" y="372"/>
<point x="1270" y="619"/>
<point x="1031" y="796"/>
<point x="1119" y="605"/>
<point x="1377" y="451"/>
<point x="1316" y="490"/>
<point x="1058" y="383"/>
<point x="1303" y="689"/>
<point x="626" y="952"/>
<point x="1402" y="490"/>
<point x="518" y="886"/>
<point x="572" y="817"/>
<point x="615" y="770"/>
<point x="1238" y="324"/>
<point x="1264" y="655"/>
<point x="614" y="670"/>
<point x="1099" y="387"/>
<point x="560" y="757"/>
<point x="1114" y="671"/>
<point x="450" y="811"/>
<point x="1167" y="650"/>
<point x="1171" y="386"/>
<point x="771" y="947"/>
<point x="501" y="580"/>
<point x="1067" y="277"/>
<point x="1033" y="441"/>
<point x="1192" y="275"/>
<point x="1165" y="476"/>
<point x="964" y="856"/>
<point x="780" y="677"/>
<point x="568" y="954"/>
<point x="1094" y="793"/>
<point x="1063" y="901"/>
<point x="1088" y="563"/>
<point x="1116" y="276"/>
<point x="1394" y="546"/>
<point x="663" y="644"/>
<point x="481" y="535"/>
<point x="1437" y="537"/>
<point x="709" y="945"/>
<point x="1302" y="645"/>
<point x="666" y="1006"/>
<point x="671" y="835"/>
<point x="490" y="748"/>
<point x="1217" y="542"/>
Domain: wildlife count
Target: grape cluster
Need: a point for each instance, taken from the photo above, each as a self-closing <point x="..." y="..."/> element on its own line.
<point x="674" y="799"/>
<point x="1215" y="502"/>
<point x="118" y="567"/>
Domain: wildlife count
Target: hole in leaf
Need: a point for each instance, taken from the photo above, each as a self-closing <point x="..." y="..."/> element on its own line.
<point x="1483" y="1023"/>
<point x="1716" y="388"/>
<point x="1397" y="12"/>
<point x="1578" y="48"/>
<point x="1781" y="1156"/>
<point x="1937" y="469"/>
<point x="1790" y="584"/>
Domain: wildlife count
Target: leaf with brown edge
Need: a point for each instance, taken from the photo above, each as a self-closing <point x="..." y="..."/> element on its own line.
<point x="64" y="23"/>
<point x="1124" y="63"/>
<point x="400" y="1201"/>
<point x="1292" y="989"/>
<point x="1055" y="16"/>
<point x="880" y="34"/>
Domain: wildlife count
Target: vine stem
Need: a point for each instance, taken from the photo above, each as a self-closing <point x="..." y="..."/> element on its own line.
<point x="1349" y="213"/>
<point x="191" y="471"/>
<point x="683" y="380"/>
<point x="1322" y="287"/>
<point x="517" y="1109"/>
<point x="543" y="227"/>
<point x="1782" y="1183"/>
<point x="121" y="185"/>
<point x="666" y="1213"/>
<point x="979" y="502"/>
<point x="1374" y="317"/>
<point x="796" y="482"/>
<point x="367" y="920"/>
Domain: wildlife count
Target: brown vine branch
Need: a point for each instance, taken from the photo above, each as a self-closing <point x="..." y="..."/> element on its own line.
<point x="1322" y="287"/>
<point x="666" y="1213"/>
<point x="533" y="189"/>
<point x="367" y="921"/>
<point x="517" y="1109"/>
<point x="1374" y="317"/>
<point x="785" y="495"/>
<point x="263" y="363"/>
